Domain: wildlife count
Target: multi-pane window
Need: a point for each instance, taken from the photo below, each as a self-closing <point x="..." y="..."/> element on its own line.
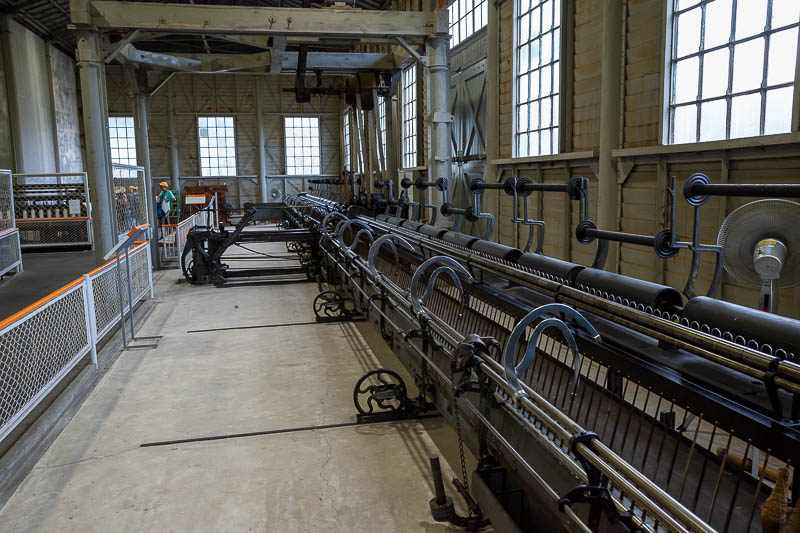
<point x="302" y="145"/>
<point x="732" y="68"/>
<point x="537" y="76"/>
<point x="382" y="129"/>
<point x="362" y="155"/>
<point x="217" y="141"/>
<point x="346" y="137"/>
<point x="409" y="82"/>
<point x="466" y="17"/>
<point x="123" y="140"/>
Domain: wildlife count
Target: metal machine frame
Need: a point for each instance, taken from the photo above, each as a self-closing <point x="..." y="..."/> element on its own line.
<point x="543" y="374"/>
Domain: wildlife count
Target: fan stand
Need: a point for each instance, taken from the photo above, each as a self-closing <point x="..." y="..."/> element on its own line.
<point x="768" y="258"/>
<point x="761" y="247"/>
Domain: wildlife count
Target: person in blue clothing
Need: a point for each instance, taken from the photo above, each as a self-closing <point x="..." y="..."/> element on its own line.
<point x="165" y="198"/>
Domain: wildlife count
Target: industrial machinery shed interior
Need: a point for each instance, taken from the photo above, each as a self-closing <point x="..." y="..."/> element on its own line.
<point x="525" y="265"/>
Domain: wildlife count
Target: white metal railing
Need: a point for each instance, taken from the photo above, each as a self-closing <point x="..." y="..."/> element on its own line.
<point x="169" y="241"/>
<point x="42" y="343"/>
<point x="173" y="236"/>
<point x="10" y="250"/>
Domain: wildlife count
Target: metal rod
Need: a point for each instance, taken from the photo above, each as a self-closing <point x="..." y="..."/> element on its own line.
<point x="618" y="236"/>
<point x="781" y="190"/>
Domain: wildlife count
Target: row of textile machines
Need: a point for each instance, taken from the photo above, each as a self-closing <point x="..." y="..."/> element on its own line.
<point x="592" y="401"/>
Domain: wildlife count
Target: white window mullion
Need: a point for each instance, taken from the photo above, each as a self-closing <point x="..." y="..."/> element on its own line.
<point x="301" y="136"/>
<point x="537" y="49"/>
<point x="216" y="138"/>
<point x="732" y="68"/>
<point x="347" y="140"/>
<point x="409" y="101"/>
<point x="122" y="137"/>
<point x="466" y="17"/>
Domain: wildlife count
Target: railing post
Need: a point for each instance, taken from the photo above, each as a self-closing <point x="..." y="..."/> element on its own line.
<point x="19" y="251"/>
<point x="216" y="210"/>
<point x="150" y="269"/>
<point x="89" y="310"/>
<point x="179" y="241"/>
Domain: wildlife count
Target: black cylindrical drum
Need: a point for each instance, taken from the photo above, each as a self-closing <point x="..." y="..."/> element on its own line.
<point x="631" y="289"/>
<point x="459" y="238"/>
<point x="744" y="324"/>
<point x="411" y="224"/>
<point x="496" y="250"/>
<point x="432" y="231"/>
<point x="549" y="265"/>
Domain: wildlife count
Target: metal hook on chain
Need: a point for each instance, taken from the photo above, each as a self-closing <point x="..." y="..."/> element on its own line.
<point x="512" y="372"/>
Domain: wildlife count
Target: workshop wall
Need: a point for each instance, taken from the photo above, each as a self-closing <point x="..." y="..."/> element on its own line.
<point x="643" y="176"/>
<point x="38" y="104"/>
<point x="229" y="94"/>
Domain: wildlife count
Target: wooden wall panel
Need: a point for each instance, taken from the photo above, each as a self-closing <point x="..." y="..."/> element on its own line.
<point x="645" y="29"/>
<point x="587" y="74"/>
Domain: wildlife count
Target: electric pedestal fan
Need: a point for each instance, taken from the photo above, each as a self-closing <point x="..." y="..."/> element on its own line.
<point x="761" y="242"/>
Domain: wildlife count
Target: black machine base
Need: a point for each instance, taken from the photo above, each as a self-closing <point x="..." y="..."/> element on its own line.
<point x="381" y="396"/>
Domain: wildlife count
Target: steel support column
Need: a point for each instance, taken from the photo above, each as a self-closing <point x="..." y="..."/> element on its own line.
<point x="95" y="125"/>
<point x="262" y="155"/>
<point x="610" y="121"/>
<point x="439" y="117"/>
<point x="490" y="197"/>
<point x="172" y="133"/>
<point x="391" y="141"/>
<point x="143" y="159"/>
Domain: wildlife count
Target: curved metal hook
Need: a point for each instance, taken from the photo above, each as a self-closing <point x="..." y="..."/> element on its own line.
<point x="380" y="241"/>
<point x="327" y="217"/>
<point x="357" y="238"/>
<point x="509" y="353"/>
<point x="349" y="223"/>
<point x="436" y="273"/>
<point x="450" y="266"/>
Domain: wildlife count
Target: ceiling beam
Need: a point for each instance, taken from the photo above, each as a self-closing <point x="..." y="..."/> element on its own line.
<point x="256" y="41"/>
<point x="210" y="19"/>
<point x="339" y="61"/>
<point x="278" y="51"/>
<point x="328" y="62"/>
<point x="129" y="53"/>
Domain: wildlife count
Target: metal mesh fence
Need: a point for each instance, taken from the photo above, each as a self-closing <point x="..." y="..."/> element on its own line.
<point x="130" y="198"/>
<point x="52" y="209"/>
<point x="105" y="287"/>
<point x="10" y="256"/>
<point x="40" y="345"/>
<point x="6" y="201"/>
<point x="40" y="349"/>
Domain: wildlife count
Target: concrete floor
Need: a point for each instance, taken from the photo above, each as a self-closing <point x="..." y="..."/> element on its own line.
<point x="97" y="477"/>
<point x="43" y="273"/>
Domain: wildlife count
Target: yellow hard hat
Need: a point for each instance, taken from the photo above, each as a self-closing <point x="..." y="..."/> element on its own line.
<point x="163" y="184"/>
